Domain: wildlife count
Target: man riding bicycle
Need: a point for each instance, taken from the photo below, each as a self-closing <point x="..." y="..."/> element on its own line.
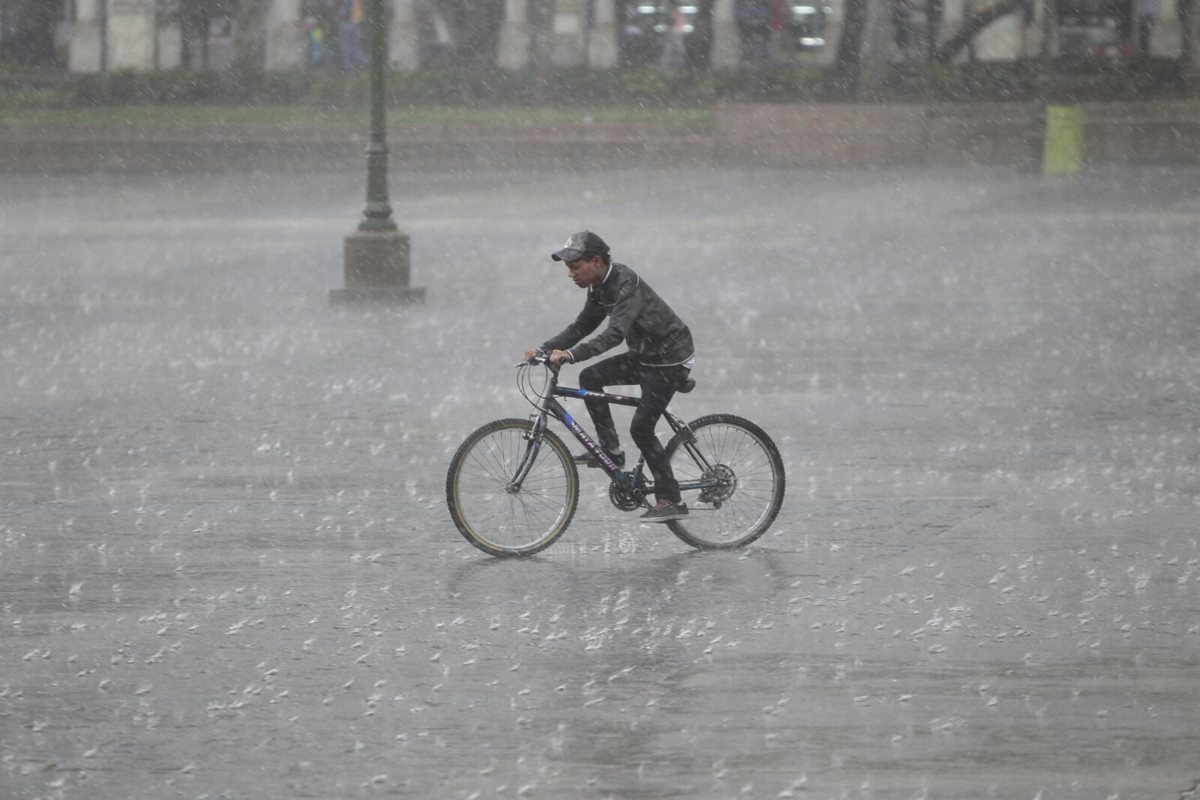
<point x="659" y="358"/>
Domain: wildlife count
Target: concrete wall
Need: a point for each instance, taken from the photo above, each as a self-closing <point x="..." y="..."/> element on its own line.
<point x="843" y="134"/>
<point x="86" y="46"/>
<point x="1141" y="132"/>
<point x="130" y="35"/>
<point x="817" y="136"/>
<point x="285" y="44"/>
<point x="952" y="134"/>
<point x="135" y="41"/>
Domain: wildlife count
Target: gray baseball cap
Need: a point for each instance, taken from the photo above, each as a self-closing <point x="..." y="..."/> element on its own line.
<point x="584" y="243"/>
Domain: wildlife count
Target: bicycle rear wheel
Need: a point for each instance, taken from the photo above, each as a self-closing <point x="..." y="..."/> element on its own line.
<point x="488" y="512"/>
<point x="743" y="478"/>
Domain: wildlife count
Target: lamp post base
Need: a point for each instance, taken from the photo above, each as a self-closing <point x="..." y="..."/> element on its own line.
<point x="376" y="270"/>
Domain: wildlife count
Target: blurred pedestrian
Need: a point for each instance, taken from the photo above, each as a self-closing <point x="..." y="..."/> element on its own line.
<point x="777" y="25"/>
<point x="351" y="15"/>
<point x="674" y="54"/>
<point x="912" y="30"/>
<point x="637" y="41"/>
<point x="316" y="41"/>
<point x="1147" y="14"/>
<point x="751" y="16"/>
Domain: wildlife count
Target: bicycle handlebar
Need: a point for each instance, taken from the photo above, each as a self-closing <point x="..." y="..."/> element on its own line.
<point x="540" y="357"/>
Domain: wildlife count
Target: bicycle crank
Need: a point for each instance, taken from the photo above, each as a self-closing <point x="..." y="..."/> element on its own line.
<point x="624" y="497"/>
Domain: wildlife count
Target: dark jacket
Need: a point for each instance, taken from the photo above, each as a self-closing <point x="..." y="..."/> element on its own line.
<point x="637" y="316"/>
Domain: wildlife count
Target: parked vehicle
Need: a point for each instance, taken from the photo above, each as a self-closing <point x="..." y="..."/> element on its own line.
<point x="1091" y="28"/>
<point x="807" y="28"/>
<point x="644" y="28"/>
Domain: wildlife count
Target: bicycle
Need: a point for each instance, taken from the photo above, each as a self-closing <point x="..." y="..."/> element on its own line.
<point x="513" y="486"/>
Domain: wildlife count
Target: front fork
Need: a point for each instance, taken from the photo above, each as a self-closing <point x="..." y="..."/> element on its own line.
<point x="534" y="437"/>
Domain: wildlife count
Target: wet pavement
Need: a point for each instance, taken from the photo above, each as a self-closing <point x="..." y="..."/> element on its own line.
<point x="228" y="570"/>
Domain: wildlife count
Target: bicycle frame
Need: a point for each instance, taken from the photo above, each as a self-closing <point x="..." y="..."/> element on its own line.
<point x="550" y="407"/>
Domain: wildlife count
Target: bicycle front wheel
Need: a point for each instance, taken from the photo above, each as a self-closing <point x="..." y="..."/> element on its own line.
<point x="489" y="511"/>
<point x="738" y="475"/>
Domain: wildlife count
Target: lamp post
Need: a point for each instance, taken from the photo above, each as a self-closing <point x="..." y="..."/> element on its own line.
<point x="377" y="254"/>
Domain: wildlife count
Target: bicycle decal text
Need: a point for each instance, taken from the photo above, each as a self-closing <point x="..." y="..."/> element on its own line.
<point x="589" y="443"/>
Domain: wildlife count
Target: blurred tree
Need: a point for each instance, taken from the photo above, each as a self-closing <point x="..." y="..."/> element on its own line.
<point x="700" y="40"/>
<point x="847" y="56"/>
<point x="541" y="32"/>
<point x="867" y="44"/>
<point x="849" y="45"/>
<point x="29" y="27"/>
<point x="249" y="54"/>
<point x="934" y="12"/>
<point x="476" y="25"/>
<point x="879" y="48"/>
<point x="867" y="37"/>
<point x="194" y="18"/>
<point x="1189" y="56"/>
<point x="975" y="22"/>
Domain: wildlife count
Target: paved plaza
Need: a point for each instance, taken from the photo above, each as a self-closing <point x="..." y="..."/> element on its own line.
<point x="227" y="569"/>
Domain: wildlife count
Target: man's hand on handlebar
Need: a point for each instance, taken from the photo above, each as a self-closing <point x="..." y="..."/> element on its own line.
<point x="560" y="357"/>
<point x="556" y="358"/>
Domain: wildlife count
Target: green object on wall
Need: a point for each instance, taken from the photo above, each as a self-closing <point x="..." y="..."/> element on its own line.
<point x="1062" y="149"/>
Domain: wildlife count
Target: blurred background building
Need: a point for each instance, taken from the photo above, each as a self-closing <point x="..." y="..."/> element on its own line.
<point x="95" y="35"/>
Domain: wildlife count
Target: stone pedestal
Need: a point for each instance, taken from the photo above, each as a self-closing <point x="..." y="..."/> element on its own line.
<point x="376" y="270"/>
<point x="402" y="39"/>
<point x="514" y="36"/>
<point x="827" y="55"/>
<point x="953" y="12"/>
<point x="285" y="41"/>
<point x="602" y="38"/>
<point x="1001" y="40"/>
<point x="726" y="45"/>
<point x="170" y="46"/>
<point x="1166" y="38"/>
<point x="87" y="47"/>
<point x="131" y="33"/>
<point x="568" y="33"/>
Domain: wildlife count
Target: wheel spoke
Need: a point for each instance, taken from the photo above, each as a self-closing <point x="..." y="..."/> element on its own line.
<point x="745" y="483"/>
<point x="487" y="513"/>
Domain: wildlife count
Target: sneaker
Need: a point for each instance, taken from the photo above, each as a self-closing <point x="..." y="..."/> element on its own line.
<point x="665" y="511"/>
<point x="590" y="461"/>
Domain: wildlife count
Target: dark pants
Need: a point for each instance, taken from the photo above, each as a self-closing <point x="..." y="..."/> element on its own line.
<point x="658" y="387"/>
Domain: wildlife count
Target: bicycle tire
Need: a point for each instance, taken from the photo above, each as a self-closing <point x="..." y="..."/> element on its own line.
<point x="500" y="522"/>
<point x="746" y="509"/>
